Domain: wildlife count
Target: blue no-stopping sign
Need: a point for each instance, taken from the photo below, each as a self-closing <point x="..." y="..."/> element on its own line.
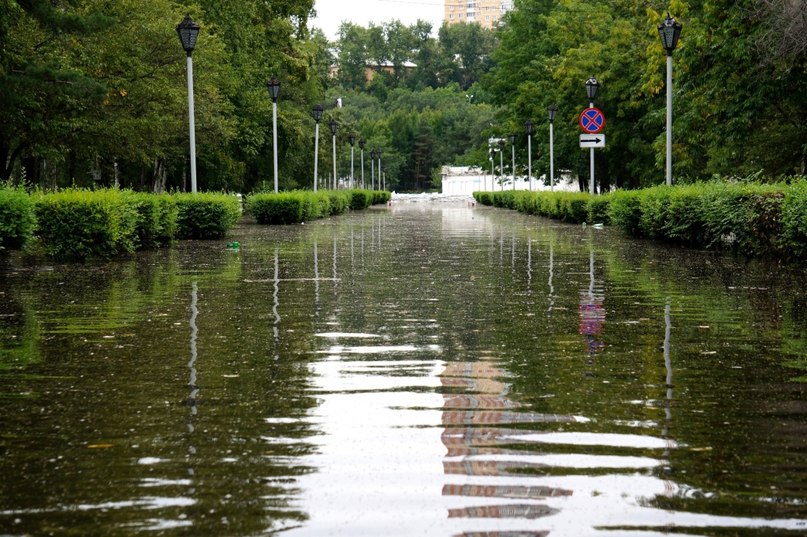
<point x="592" y="120"/>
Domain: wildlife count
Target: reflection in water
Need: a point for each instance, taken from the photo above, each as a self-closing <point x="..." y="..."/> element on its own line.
<point x="194" y="395"/>
<point x="276" y="305"/>
<point x="592" y="313"/>
<point x="423" y="396"/>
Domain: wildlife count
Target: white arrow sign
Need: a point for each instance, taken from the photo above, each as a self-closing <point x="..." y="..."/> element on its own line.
<point x="592" y="140"/>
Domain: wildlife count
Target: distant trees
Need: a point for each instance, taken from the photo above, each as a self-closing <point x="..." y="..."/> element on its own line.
<point x="739" y="104"/>
<point x="94" y="92"/>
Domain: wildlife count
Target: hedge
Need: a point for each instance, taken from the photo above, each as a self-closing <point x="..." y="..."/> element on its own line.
<point x="751" y="219"/>
<point x="302" y="205"/>
<point x="77" y="224"/>
<point x="206" y="215"/>
<point x="17" y="218"/>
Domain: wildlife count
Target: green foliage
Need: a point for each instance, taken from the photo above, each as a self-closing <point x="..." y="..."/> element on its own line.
<point x="77" y="224"/>
<point x="277" y="209"/>
<point x="156" y="218"/>
<point x="750" y="219"/>
<point x="303" y="205"/>
<point x="794" y="220"/>
<point x="206" y="215"/>
<point x="360" y="199"/>
<point x="17" y="218"/>
<point x="381" y="197"/>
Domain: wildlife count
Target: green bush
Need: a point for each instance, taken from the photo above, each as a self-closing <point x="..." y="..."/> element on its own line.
<point x="156" y="218"/>
<point x="277" y="209"/>
<point x="17" y="218"/>
<point x="303" y="205"/>
<point x="793" y="241"/>
<point x="625" y="211"/>
<point x="381" y="197"/>
<point x="340" y="201"/>
<point x="360" y="199"/>
<point x="78" y="224"/>
<point x="206" y="215"/>
<point x="598" y="209"/>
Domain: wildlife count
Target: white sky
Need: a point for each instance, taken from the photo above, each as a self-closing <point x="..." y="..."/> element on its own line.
<point x="331" y="13"/>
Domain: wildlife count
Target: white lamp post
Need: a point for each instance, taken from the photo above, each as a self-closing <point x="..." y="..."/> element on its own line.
<point x="552" y="109"/>
<point x="669" y="31"/>
<point x="352" y="140"/>
<point x="188" y="32"/>
<point x="528" y="126"/>
<point x="334" y="127"/>
<point x="513" y="151"/>
<point x="317" y="113"/>
<point x="361" y="147"/>
<point x="274" y="91"/>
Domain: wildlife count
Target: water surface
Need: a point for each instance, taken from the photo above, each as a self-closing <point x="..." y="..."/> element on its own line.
<point x="425" y="369"/>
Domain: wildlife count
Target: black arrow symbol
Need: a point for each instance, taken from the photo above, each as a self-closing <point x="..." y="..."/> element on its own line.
<point x="591" y="140"/>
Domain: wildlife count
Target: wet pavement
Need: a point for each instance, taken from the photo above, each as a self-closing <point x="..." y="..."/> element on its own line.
<point x="428" y="368"/>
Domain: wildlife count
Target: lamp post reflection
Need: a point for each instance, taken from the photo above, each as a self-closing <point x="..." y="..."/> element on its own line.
<point x="592" y="314"/>
<point x="668" y="368"/>
<point x="192" y="379"/>
<point x="276" y="304"/>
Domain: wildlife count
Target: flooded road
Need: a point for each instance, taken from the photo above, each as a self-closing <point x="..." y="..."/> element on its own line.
<point x="425" y="369"/>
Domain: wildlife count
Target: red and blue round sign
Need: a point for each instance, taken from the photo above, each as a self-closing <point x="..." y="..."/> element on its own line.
<point x="592" y="120"/>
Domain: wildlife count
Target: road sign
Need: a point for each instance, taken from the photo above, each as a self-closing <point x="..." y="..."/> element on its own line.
<point x="592" y="120"/>
<point x="592" y="140"/>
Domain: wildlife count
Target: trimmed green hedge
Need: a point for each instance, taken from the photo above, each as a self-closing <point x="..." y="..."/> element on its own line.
<point x="157" y="218"/>
<point x="303" y="205"/>
<point x="751" y="219"/>
<point x="77" y="224"/>
<point x="206" y="215"/>
<point x="17" y="218"/>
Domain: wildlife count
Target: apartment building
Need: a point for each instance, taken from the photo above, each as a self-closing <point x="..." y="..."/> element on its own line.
<point x="486" y="12"/>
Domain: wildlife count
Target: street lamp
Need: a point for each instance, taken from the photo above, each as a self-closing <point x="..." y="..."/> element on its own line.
<point x="372" y="169"/>
<point x="592" y="87"/>
<point x="528" y="126"/>
<point x="381" y="186"/>
<point x="334" y="127"/>
<point x="491" y="155"/>
<point x="552" y="109"/>
<point x="274" y="91"/>
<point x="513" y="150"/>
<point x="317" y="113"/>
<point x="669" y="31"/>
<point x="501" y="163"/>
<point x="361" y="146"/>
<point x="352" y="140"/>
<point x="188" y="32"/>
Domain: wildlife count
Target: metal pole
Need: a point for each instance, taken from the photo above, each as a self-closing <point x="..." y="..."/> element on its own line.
<point x="514" y="166"/>
<point x="551" y="156"/>
<point x="669" y="119"/>
<point x="192" y="124"/>
<point x="372" y="172"/>
<point x="334" y="162"/>
<point x="274" y="139"/>
<point x="362" y="167"/>
<point x="501" y="169"/>
<point x="529" y="158"/>
<point x="591" y="183"/>
<point x="380" y="176"/>
<point x="351" y="166"/>
<point x="316" y="154"/>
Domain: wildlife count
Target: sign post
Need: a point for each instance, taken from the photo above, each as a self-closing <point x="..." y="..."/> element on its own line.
<point x="592" y="120"/>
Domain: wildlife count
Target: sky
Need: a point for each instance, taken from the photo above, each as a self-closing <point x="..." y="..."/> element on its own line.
<point x="331" y="13"/>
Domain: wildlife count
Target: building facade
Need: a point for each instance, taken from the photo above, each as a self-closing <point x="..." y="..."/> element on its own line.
<point x="485" y="12"/>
